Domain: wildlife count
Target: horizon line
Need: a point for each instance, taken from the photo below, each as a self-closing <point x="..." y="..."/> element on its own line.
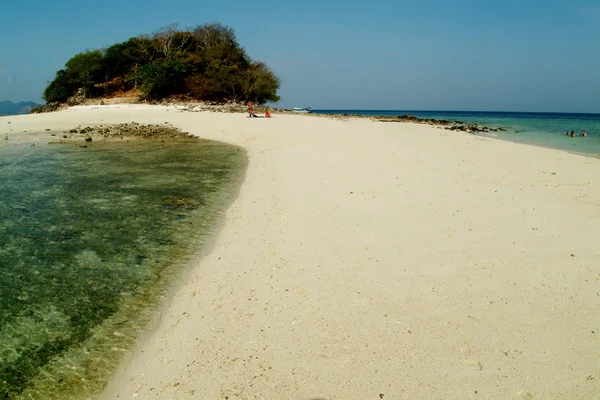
<point x="472" y="111"/>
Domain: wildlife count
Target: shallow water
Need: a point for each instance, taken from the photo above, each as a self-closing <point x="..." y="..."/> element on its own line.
<point x="90" y="240"/>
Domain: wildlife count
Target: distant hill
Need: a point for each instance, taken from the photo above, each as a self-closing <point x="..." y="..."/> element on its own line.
<point x="11" y="108"/>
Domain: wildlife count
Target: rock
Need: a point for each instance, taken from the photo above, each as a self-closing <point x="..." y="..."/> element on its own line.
<point x="48" y="107"/>
<point x="407" y="117"/>
<point x="77" y="99"/>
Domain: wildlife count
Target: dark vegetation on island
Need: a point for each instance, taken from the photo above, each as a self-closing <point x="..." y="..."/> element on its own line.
<point x="201" y="63"/>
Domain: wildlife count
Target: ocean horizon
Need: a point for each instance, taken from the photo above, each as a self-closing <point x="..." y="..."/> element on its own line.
<point x="391" y="110"/>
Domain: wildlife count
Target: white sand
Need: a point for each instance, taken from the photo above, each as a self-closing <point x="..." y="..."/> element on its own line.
<point x="367" y="260"/>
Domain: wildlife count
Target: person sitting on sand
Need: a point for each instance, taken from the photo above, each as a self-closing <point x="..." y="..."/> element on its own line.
<point x="267" y="114"/>
<point x="583" y="134"/>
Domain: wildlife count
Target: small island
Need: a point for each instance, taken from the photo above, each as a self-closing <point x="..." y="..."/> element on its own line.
<point x="204" y="63"/>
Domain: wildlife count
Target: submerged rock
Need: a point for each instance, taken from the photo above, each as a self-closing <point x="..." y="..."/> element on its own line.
<point x="131" y="130"/>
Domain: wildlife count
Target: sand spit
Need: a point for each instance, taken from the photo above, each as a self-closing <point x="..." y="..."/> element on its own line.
<point x="368" y="260"/>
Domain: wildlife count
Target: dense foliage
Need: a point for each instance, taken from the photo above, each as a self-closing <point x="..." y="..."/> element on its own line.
<point x="205" y="63"/>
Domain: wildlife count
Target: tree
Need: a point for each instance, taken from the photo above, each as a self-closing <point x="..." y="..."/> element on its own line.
<point x="115" y="61"/>
<point x="60" y="89"/>
<point x="170" y="42"/>
<point x="213" y="36"/>
<point x="261" y="84"/>
<point x="85" y="69"/>
<point x="162" y="78"/>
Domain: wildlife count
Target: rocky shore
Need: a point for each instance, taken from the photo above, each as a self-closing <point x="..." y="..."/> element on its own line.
<point x="452" y="125"/>
<point x="119" y="132"/>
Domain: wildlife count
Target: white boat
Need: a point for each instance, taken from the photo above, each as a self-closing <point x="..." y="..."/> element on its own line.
<point x="304" y="110"/>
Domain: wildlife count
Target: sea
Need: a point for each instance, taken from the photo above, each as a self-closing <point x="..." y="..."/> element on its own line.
<point x="92" y="237"/>
<point x="538" y="129"/>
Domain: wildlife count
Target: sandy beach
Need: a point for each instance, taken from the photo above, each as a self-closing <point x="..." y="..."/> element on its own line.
<point x="371" y="260"/>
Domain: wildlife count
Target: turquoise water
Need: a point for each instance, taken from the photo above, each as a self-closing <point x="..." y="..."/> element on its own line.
<point x="540" y="129"/>
<point x="90" y="240"/>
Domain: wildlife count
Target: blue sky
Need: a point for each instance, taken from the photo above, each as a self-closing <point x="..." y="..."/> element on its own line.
<point x="508" y="55"/>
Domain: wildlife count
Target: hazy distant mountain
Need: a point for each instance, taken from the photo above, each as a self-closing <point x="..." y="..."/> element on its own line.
<point x="10" y="108"/>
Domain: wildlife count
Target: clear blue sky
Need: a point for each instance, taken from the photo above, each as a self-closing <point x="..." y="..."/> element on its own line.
<point x="505" y="55"/>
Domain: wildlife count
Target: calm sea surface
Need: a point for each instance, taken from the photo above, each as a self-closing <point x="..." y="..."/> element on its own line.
<point x="90" y="240"/>
<point x="540" y="129"/>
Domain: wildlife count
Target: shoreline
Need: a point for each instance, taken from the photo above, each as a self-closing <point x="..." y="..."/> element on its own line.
<point x="363" y="259"/>
<point x="225" y="163"/>
<point x="499" y="131"/>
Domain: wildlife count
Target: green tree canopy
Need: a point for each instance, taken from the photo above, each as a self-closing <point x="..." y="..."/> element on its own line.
<point x="205" y="62"/>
